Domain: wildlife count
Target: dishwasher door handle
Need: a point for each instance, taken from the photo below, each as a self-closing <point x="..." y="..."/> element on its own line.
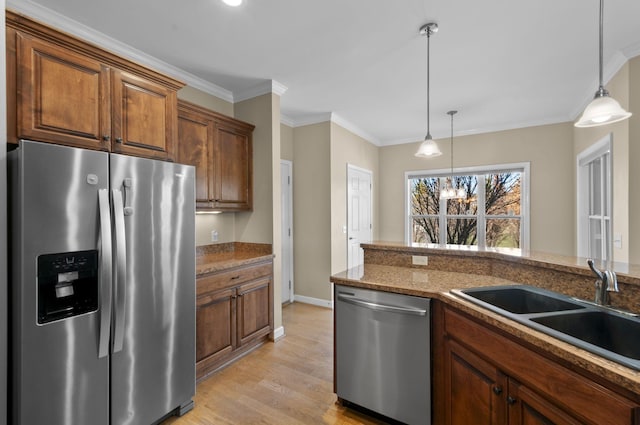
<point x="351" y="299"/>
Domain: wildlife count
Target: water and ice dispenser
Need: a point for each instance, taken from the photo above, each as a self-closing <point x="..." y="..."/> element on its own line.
<point x="67" y="285"/>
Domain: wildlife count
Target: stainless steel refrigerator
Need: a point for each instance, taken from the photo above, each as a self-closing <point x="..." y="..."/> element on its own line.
<point x="102" y="284"/>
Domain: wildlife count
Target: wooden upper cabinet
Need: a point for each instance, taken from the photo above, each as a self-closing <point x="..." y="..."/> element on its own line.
<point x="66" y="91"/>
<point x="195" y="132"/>
<point x="232" y="172"/>
<point x="62" y="96"/>
<point x="220" y="148"/>
<point x="144" y="117"/>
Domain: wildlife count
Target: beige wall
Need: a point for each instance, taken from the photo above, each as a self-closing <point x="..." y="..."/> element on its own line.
<point x="549" y="149"/>
<point x="286" y="142"/>
<point x="262" y="225"/>
<point x="206" y="100"/>
<point x="312" y="210"/>
<point x="348" y="148"/>
<point x="584" y="137"/>
<point x="634" y="160"/>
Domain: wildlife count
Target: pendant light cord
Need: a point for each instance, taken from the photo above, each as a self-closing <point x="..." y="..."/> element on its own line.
<point x="601" y="42"/>
<point x="428" y="123"/>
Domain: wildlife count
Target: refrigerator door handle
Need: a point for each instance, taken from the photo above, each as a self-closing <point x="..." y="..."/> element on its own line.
<point x="106" y="261"/>
<point x="120" y="282"/>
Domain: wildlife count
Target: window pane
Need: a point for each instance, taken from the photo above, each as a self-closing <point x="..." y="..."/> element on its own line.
<point x="462" y="231"/>
<point x="469" y="204"/>
<point x="503" y="233"/>
<point x="596" y="193"/>
<point x="595" y="236"/>
<point x="502" y="193"/>
<point x="425" y="230"/>
<point x="424" y="193"/>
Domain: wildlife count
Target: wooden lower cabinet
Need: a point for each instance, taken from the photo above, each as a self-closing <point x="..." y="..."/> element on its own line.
<point x="234" y="314"/>
<point x="488" y="377"/>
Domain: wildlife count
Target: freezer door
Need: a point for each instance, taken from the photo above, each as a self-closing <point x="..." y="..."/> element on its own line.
<point x="57" y="375"/>
<point x="153" y="352"/>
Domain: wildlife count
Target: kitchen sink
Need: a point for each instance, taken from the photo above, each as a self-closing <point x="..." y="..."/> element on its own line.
<point x="520" y="299"/>
<point x="611" y="334"/>
<point x="609" y="331"/>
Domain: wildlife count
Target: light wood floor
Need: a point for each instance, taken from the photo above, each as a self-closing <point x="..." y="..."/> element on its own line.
<point x="287" y="382"/>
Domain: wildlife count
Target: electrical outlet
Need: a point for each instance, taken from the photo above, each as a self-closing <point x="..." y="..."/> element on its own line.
<point x="420" y="260"/>
<point x="214" y="236"/>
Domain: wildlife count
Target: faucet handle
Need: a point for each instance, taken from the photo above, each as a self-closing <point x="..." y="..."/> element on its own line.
<point x="597" y="272"/>
<point x="611" y="281"/>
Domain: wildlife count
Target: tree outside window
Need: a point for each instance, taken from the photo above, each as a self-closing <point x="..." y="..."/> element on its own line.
<point x="489" y="215"/>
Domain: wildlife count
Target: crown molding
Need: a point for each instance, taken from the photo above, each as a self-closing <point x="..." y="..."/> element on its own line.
<point x="631" y="51"/>
<point x="266" y="87"/>
<point x="89" y="34"/>
<point x="337" y="119"/>
<point x="287" y="120"/>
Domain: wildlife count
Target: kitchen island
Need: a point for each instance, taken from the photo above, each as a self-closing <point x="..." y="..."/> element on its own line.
<point x="509" y="369"/>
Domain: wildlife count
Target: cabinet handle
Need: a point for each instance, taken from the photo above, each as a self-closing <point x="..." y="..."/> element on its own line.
<point x="119" y="139"/>
<point x="497" y="390"/>
<point x="106" y="137"/>
<point x="511" y="400"/>
<point x="235" y="277"/>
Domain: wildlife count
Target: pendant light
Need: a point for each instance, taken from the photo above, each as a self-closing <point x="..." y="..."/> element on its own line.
<point x="448" y="191"/>
<point x="428" y="148"/>
<point x="603" y="109"/>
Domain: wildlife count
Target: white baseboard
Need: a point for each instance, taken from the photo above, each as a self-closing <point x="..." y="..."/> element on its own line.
<point x="278" y="333"/>
<point x="313" y="301"/>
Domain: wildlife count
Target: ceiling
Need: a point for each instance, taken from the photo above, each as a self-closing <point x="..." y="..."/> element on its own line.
<point x="502" y="64"/>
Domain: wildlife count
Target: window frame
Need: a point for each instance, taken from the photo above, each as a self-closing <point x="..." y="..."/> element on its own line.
<point x="480" y="171"/>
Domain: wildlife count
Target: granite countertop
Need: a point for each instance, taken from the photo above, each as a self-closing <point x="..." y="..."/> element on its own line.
<point x="438" y="284"/>
<point x="216" y="257"/>
<point x="629" y="273"/>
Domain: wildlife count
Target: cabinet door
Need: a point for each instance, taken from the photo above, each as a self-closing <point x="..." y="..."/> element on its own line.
<point x="215" y="325"/>
<point x="254" y="309"/>
<point x="195" y="134"/>
<point x="528" y="408"/>
<point x="144" y="117"/>
<point x="233" y="172"/>
<point x="63" y="97"/>
<point x="475" y="390"/>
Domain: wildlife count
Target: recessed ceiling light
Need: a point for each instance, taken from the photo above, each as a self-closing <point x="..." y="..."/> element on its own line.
<point x="233" y="3"/>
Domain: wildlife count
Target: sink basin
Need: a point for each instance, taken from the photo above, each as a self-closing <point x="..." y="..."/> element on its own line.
<point x="609" y="331"/>
<point x="520" y="299"/>
<point x="612" y="335"/>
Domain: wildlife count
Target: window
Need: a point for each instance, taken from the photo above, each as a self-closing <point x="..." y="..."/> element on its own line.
<point x="594" y="201"/>
<point x="493" y="213"/>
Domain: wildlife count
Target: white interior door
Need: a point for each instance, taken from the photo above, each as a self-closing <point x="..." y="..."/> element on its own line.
<point x="287" y="230"/>
<point x="359" y="227"/>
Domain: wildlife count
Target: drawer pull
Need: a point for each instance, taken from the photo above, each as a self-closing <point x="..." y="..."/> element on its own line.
<point x="235" y="277"/>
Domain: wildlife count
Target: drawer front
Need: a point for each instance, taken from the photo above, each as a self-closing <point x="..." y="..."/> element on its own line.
<point x="233" y="277"/>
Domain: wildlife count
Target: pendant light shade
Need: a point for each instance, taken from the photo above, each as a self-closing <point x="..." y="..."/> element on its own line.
<point x="603" y="109"/>
<point x="428" y="148"/>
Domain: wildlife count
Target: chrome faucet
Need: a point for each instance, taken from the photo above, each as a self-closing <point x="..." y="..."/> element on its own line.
<point x="606" y="282"/>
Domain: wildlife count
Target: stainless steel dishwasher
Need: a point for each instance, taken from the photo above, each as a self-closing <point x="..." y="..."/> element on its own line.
<point x="383" y="353"/>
